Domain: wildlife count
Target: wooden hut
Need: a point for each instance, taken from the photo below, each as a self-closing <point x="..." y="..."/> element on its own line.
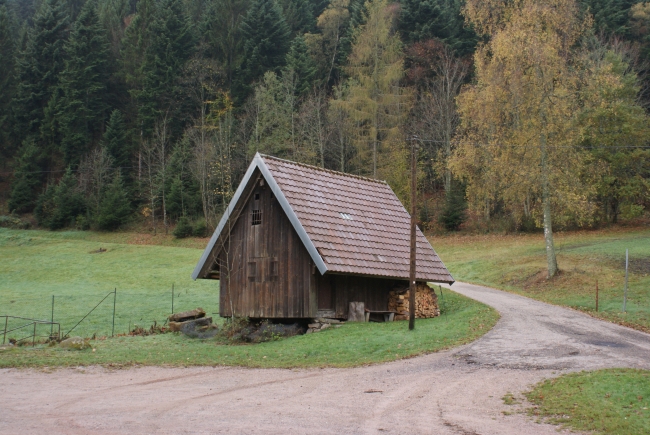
<point x="298" y="241"/>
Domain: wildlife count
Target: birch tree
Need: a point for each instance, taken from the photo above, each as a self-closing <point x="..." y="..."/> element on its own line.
<point x="516" y="141"/>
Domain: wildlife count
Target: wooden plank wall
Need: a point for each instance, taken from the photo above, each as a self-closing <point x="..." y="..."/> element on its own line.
<point x="373" y="292"/>
<point x="270" y="272"/>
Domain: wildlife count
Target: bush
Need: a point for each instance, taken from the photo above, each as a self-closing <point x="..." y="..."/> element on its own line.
<point x="200" y="229"/>
<point x="183" y="228"/>
<point x="13" y="223"/>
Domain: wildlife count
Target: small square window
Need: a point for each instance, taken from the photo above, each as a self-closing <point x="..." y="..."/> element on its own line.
<point x="257" y="196"/>
<point x="256" y="217"/>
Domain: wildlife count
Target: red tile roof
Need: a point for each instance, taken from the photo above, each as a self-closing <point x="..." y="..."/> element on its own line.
<point x="374" y="241"/>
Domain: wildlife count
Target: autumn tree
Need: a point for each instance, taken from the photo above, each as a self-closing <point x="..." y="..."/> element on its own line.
<point x="374" y="99"/>
<point x="516" y="141"/>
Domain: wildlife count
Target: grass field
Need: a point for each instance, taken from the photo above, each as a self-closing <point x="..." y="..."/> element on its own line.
<point x="614" y="401"/>
<point x="517" y="263"/>
<point x="38" y="264"/>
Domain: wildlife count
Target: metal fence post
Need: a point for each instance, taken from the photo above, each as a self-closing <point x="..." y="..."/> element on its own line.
<point x="114" y="300"/>
<point x="172" y="298"/>
<point x="4" y="337"/>
<point x="625" y="291"/>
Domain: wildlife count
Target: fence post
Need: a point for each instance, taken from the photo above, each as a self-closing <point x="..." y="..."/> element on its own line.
<point x="625" y="291"/>
<point x="596" y="295"/>
<point x="172" y="298"/>
<point x="52" y="319"/>
<point x="114" y="300"/>
<point x="34" y="336"/>
<point x="4" y="337"/>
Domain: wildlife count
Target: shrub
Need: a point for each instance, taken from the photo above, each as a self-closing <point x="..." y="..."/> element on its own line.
<point x="183" y="228"/>
<point x="200" y="228"/>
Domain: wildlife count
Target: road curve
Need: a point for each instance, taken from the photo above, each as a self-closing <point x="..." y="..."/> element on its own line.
<point x="453" y="392"/>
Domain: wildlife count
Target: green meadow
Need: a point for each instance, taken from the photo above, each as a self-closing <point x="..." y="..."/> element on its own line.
<point x="38" y="264"/>
<point x="517" y="263"/>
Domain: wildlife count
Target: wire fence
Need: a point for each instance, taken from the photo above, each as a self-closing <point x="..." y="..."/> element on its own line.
<point x="105" y="314"/>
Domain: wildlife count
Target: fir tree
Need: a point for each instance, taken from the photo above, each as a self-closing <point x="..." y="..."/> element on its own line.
<point x="83" y="84"/>
<point x="171" y="44"/>
<point x="6" y="78"/>
<point x="115" y="141"/>
<point x="266" y="42"/>
<point x="115" y="208"/>
<point x="39" y="66"/>
<point x="27" y="178"/>
<point x="300" y="62"/>
<point x="437" y="19"/>
<point x="59" y="206"/>
<point x="299" y="15"/>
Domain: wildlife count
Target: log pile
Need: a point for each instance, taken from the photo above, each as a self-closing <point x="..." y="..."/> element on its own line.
<point x="426" y="302"/>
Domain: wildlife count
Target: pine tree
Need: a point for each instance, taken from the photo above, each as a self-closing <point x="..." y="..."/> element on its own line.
<point x="7" y="83"/>
<point x="115" y="208"/>
<point x="27" y="178"/>
<point x="83" y="83"/>
<point x="39" y="66"/>
<point x="299" y="15"/>
<point x="170" y="46"/>
<point x="115" y="142"/>
<point x="223" y="34"/>
<point x="60" y="205"/>
<point x="437" y="19"/>
<point x="266" y="42"/>
<point x="300" y="62"/>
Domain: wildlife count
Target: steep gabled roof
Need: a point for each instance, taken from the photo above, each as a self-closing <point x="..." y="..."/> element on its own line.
<point x="349" y="224"/>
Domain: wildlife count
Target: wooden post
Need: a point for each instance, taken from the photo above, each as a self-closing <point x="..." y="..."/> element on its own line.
<point x="625" y="291"/>
<point x="412" y="276"/>
<point x="596" y="295"/>
<point x="172" y="298"/>
<point x="52" y="319"/>
<point x="114" y="301"/>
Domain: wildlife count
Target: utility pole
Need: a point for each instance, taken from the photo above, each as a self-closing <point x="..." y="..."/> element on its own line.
<point x="412" y="288"/>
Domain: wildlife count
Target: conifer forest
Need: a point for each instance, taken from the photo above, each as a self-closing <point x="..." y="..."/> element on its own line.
<point x="528" y="114"/>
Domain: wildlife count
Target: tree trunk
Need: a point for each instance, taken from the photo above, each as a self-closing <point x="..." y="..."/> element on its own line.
<point x="546" y="203"/>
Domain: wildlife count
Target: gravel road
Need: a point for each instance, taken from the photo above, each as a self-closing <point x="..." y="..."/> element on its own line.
<point x="454" y="392"/>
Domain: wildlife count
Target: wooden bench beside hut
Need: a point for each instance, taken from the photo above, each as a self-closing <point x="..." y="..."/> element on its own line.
<point x="298" y="241"/>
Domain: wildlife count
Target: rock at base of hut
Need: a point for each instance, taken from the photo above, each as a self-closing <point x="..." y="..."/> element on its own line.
<point x="187" y="315"/>
<point x="320" y="324"/>
<point x="76" y="343"/>
<point x="189" y="324"/>
<point x="357" y="312"/>
<point x="191" y="330"/>
<point x="267" y="331"/>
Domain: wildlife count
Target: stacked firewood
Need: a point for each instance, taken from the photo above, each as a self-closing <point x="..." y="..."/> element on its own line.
<point x="426" y="302"/>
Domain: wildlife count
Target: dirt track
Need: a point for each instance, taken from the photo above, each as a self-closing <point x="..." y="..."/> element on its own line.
<point x="455" y="392"/>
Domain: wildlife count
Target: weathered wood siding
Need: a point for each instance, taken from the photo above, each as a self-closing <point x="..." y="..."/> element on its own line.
<point x="270" y="273"/>
<point x="373" y="292"/>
